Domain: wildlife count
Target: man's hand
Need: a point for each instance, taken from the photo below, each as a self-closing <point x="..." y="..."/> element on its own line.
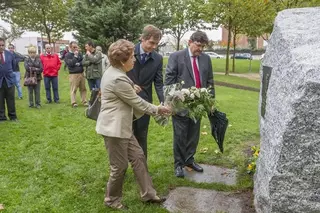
<point x="137" y="88"/>
<point x="88" y="52"/>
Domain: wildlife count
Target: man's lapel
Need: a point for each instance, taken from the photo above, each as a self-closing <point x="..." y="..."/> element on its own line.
<point x="187" y="61"/>
<point x="201" y="62"/>
<point x="137" y="53"/>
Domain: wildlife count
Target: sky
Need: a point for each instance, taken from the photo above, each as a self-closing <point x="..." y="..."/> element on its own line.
<point x="212" y="34"/>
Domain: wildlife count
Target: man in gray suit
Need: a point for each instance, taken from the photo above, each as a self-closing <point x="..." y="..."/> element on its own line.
<point x="195" y="69"/>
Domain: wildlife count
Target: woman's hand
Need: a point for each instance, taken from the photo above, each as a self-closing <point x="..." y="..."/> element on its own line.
<point x="164" y="110"/>
<point x="137" y="88"/>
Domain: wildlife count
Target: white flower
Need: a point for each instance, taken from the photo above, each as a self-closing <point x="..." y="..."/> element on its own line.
<point x="182" y="82"/>
<point x="193" y="88"/>
<point x="197" y="93"/>
<point x="192" y="96"/>
<point x="185" y="92"/>
<point x="203" y="90"/>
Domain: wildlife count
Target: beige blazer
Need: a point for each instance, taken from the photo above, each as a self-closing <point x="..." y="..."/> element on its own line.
<point x="119" y="102"/>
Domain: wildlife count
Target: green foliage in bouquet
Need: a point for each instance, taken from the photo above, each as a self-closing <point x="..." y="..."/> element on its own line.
<point x="195" y="102"/>
<point x="198" y="101"/>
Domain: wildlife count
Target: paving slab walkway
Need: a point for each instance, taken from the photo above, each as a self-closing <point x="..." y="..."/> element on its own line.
<point x="192" y="200"/>
<point x="212" y="174"/>
<point x="251" y="76"/>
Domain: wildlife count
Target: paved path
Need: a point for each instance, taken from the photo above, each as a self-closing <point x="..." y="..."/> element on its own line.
<point x="251" y="76"/>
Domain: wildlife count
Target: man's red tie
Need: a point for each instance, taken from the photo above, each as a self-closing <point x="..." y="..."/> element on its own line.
<point x="1" y="58"/>
<point x="196" y="72"/>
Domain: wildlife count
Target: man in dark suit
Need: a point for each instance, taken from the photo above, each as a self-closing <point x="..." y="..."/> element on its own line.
<point x="7" y="81"/>
<point x="195" y="69"/>
<point x="147" y="70"/>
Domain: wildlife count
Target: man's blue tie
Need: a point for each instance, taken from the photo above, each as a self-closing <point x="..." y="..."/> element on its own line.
<point x="143" y="58"/>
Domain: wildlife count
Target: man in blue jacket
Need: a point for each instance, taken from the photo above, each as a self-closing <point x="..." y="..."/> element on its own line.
<point x="7" y="81"/>
<point x="147" y="70"/>
<point x="16" y="69"/>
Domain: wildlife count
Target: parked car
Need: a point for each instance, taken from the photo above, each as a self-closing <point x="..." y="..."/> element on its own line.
<point x="247" y="56"/>
<point x="214" y="55"/>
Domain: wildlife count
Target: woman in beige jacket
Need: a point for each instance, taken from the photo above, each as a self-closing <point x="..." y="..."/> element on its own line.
<point x="119" y="104"/>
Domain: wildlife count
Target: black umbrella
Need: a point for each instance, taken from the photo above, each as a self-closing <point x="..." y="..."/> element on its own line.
<point x="219" y="124"/>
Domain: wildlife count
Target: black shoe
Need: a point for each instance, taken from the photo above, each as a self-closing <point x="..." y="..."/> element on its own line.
<point x="57" y="102"/>
<point x="195" y="167"/>
<point x="179" y="172"/>
<point x="31" y="106"/>
<point x="14" y="120"/>
<point x="48" y="102"/>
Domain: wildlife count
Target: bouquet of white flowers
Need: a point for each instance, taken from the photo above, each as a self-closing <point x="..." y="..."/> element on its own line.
<point x="197" y="102"/>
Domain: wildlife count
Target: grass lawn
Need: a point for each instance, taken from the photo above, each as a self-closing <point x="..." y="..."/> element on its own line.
<point x="52" y="160"/>
<point x="237" y="80"/>
<point x="242" y="66"/>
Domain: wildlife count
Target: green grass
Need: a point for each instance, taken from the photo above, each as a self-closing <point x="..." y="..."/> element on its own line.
<point x="241" y="66"/>
<point x="237" y="80"/>
<point x="52" y="160"/>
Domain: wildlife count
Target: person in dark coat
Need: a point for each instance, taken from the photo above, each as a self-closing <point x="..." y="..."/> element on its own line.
<point x="147" y="70"/>
<point x="7" y="81"/>
<point x="193" y="67"/>
<point x="33" y="66"/>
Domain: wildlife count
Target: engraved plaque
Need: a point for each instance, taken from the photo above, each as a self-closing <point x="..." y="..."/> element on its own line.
<point x="266" y="74"/>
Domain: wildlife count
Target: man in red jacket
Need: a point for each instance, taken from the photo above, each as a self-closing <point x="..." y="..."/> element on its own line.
<point x="51" y="65"/>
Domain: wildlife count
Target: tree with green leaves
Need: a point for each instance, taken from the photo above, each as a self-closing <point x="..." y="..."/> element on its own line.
<point x="106" y="21"/>
<point x="184" y="17"/>
<point x="44" y="16"/>
<point x="10" y="4"/>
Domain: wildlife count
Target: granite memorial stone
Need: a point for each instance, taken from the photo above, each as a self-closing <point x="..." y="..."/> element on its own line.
<point x="287" y="179"/>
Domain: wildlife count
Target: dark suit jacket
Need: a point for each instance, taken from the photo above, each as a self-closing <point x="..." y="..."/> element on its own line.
<point x="6" y="69"/>
<point x="144" y="74"/>
<point x="179" y="69"/>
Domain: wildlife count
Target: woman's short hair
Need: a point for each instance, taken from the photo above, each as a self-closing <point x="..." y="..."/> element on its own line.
<point x="32" y="49"/>
<point x="119" y="52"/>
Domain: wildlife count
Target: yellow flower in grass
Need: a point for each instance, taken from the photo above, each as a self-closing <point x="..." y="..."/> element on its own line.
<point x="249" y="167"/>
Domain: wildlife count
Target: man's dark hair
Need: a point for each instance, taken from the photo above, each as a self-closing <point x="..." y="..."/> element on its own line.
<point x="151" y="31"/>
<point x="72" y="42"/>
<point x="2" y="39"/>
<point x="199" y="36"/>
<point x="90" y="43"/>
<point x="11" y="45"/>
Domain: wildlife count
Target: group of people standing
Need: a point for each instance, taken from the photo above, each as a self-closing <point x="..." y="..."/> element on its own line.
<point x="126" y="106"/>
<point x="48" y="65"/>
<point x="126" y="98"/>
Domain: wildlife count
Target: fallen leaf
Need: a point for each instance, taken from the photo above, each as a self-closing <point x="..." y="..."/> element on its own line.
<point x="216" y="151"/>
<point x="1" y="207"/>
<point x="204" y="133"/>
<point x="204" y="150"/>
<point x="188" y="168"/>
<point x="205" y="126"/>
<point x="230" y="125"/>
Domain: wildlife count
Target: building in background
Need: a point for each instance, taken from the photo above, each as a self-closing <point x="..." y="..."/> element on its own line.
<point x="242" y="41"/>
<point x="23" y="43"/>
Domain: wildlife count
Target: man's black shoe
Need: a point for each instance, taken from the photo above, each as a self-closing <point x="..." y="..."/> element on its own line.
<point x="179" y="172"/>
<point x="195" y="167"/>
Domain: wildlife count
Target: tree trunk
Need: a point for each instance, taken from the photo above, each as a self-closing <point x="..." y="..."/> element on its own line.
<point x="178" y="43"/>
<point x="228" y="46"/>
<point x="234" y="50"/>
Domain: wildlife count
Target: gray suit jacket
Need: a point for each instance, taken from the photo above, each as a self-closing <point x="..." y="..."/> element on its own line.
<point x="119" y="102"/>
<point x="179" y="69"/>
